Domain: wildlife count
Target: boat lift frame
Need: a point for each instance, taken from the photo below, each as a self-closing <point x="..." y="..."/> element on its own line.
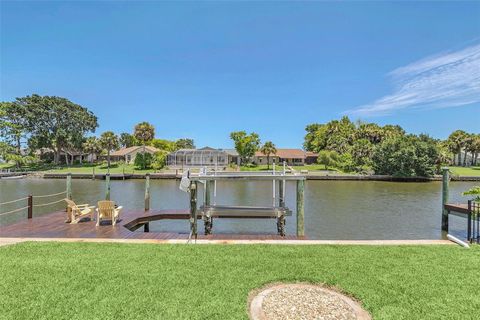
<point x="209" y="211"/>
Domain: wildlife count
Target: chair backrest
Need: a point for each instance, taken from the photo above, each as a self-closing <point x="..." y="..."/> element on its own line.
<point x="71" y="204"/>
<point x="106" y="208"/>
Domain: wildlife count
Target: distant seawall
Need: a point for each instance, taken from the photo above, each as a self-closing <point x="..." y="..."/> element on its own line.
<point x="309" y="176"/>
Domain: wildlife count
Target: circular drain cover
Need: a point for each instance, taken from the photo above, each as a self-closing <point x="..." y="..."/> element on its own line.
<point x="304" y="301"/>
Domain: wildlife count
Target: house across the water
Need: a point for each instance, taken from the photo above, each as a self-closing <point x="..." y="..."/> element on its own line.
<point x="128" y="154"/>
<point x="210" y="157"/>
<point x="204" y="157"/>
<point x="292" y="157"/>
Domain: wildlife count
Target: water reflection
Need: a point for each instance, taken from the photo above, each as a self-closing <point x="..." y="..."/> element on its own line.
<point x="333" y="209"/>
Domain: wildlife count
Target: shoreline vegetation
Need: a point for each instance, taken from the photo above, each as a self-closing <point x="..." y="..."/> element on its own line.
<point x="34" y="139"/>
<point x="312" y="171"/>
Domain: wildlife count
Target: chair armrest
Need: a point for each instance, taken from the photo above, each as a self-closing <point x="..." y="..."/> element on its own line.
<point x="119" y="208"/>
<point x="83" y="205"/>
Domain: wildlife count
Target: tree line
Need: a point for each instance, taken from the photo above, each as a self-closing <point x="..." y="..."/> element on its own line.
<point x="57" y="125"/>
<point x="369" y="148"/>
<point x="60" y="126"/>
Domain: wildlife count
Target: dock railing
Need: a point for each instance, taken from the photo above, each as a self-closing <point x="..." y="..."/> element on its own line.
<point x="28" y="204"/>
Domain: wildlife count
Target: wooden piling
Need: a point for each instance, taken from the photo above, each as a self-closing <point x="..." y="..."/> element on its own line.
<point x="69" y="186"/>
<point x="147" y="192"/>
<point x="193" y="208"/>
<point x="107" y="186"/>
<point x="30" y="207"/>
<point x="207" y="192"/>
<point x="281" y="193"/>
<point x="445" y="194"/>
<point x="300" y="208"/>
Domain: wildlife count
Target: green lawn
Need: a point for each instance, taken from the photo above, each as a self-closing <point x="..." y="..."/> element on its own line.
<point x="465" y="171"/>
<point x="147" y="281"/>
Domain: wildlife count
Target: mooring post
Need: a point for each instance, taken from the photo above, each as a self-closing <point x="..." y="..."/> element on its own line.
<point x="93" y="173"/>
<point x="445" y="181"/>
<point x="69" y="186"/>
<point x="281" y="193"/>
<point x="300" y="208"/>
<point x="193" y="208"/>
<point x="30" y="207"/>
<point x="107" y="186"/>
<point x="147" y="192"/>
<point x="207" y="192"/>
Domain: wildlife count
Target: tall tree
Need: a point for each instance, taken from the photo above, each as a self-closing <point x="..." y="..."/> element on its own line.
<point x="55" y="122"/>
<point x="267" y="149"/>
<point x="245" y="144"/>
<point x="406" y="156"/>
<point x="371" y="132"/>
<point x="163" y="144"/>
<point x="109" y="141"/>
<point x="472" y="146"/>
<point x="127" y="140"/>
<point x="456" y="141"/>
<point x="311" y="138"/>
<point x="92" y="146"/>
<point x="476" y="149"/>
<point x="328" y="158"/>
<point x="184" y="143"/>
<point x="13" y="124"/>
<point x="144" y="132"/>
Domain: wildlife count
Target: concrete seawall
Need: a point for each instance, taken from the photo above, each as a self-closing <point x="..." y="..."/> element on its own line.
<point x="310" y="176"/>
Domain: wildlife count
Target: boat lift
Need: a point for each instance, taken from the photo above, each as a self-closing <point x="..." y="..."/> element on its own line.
<point x="278" y="210"/>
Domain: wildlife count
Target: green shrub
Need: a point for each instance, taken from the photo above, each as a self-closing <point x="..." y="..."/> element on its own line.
<point x="143" y="161"/>
<point x="159" y="160"/>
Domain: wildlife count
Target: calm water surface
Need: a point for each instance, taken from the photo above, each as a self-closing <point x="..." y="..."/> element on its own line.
<point x="333" y="209"/>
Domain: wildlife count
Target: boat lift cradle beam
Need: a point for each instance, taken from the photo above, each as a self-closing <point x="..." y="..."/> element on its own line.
<point x="279" y="212"/>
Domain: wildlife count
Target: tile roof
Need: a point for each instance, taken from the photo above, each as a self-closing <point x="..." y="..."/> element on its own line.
<point x="285" y="153"/>
<point x="124" y="151"/>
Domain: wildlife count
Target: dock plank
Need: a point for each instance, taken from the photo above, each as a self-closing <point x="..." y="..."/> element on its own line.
<point x="52" y="225"/>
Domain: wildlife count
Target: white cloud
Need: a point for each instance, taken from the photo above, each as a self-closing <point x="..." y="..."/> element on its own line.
<point x="445" y="80"/>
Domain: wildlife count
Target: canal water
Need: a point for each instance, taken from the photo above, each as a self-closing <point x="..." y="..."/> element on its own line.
<point x="333" y="209"/>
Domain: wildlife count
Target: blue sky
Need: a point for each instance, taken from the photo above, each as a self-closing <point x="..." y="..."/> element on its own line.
<point x="202" y="70"/>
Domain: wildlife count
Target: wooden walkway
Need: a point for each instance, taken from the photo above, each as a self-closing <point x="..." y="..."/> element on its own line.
<point x="53" y="226"/>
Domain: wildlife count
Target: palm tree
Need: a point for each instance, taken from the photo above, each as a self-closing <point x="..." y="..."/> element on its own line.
<point x="144" y="132"/>
<point x="109" y="141"/>
<point x="127" y="140"/>
<point x="456" y="141"/>
<point x="267" y="149"/>
<point x="475" y="148"/>
<point x="92" y="146"/>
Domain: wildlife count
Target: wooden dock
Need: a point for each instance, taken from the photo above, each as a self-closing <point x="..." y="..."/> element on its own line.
<point x="53" y="226"/>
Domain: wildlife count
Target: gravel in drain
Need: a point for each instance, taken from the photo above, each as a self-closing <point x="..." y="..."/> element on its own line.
<point x="305" y="302"/>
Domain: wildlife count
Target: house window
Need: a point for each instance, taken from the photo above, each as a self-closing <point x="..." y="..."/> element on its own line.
<point x="129" y="158"/>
